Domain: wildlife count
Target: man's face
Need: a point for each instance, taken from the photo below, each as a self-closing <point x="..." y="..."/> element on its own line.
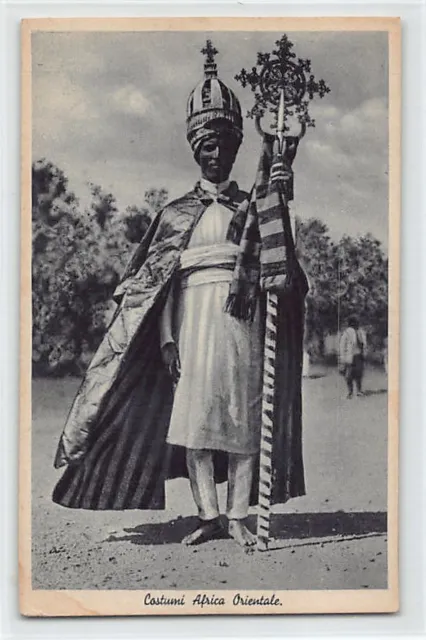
<point x="217" y="153"/>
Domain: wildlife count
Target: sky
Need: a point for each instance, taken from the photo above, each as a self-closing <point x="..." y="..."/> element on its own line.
<point x="110" y="108"/>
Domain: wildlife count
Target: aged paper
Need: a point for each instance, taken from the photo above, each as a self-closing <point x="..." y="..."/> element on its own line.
<point x="105" y="122"/>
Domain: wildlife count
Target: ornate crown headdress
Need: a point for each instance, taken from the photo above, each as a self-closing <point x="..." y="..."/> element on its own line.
<point x="212" y="99"/>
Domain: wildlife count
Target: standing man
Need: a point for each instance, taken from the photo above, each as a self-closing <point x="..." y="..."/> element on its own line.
<point x="175" y="388"/>
<point x="215" y="359"/>
<point x="353" y="346"/>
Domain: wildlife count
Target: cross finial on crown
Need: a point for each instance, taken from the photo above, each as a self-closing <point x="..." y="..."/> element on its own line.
<point x="210" y="67"/>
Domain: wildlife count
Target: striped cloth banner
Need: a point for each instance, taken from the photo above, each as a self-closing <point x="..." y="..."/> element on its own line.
<point x="261" y="227"/>
<point x="274" y="224"/>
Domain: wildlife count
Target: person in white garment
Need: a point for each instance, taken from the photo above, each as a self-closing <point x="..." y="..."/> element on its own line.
<point x="215" y="359"/>
<point x="175" y="388"/>
<point x="353" y="346"/>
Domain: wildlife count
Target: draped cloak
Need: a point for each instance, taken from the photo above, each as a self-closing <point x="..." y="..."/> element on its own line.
<point x="114" y="441"/>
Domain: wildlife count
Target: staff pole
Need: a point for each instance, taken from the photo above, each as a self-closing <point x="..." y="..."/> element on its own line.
<point x="268" y="392"/>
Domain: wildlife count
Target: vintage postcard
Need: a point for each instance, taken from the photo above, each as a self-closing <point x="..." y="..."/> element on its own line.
<point x="210" y="302"/>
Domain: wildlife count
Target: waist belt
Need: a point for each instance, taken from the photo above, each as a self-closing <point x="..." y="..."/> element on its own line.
<point x="205" y="274"/>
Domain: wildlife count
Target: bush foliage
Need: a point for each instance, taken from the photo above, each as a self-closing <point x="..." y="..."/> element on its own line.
<point x="79" y="254"/>
<point x="347" y="278"/>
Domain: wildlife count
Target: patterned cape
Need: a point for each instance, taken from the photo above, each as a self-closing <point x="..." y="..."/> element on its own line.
<point x="114" y="440"/>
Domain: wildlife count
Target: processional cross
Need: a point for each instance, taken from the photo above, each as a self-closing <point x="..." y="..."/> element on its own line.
<point x="280" y="84"/>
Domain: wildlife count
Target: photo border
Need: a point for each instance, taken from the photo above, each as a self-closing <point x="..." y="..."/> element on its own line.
<point x="410" y="621"/>
<point x="34" y="602"/>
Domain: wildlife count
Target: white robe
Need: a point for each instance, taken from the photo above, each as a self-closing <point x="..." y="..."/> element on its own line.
<point x="217" y="402"/>
<point x="353" y="342"/>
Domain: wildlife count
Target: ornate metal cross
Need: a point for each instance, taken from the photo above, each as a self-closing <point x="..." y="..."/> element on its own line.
<point x="279" y="75"/>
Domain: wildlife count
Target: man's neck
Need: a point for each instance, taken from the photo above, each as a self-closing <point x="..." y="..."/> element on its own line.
<point x="212" y="187"/>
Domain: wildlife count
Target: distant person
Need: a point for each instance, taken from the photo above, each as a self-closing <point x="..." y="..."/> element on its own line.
<point x="353" y="345"/>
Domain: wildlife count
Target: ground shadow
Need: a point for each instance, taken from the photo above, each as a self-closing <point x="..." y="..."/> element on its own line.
<point x="283" y="527"/>
<point x="374" y="392"/>
<point x="315" y="376"/>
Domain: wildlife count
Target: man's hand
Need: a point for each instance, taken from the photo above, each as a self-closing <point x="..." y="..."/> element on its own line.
<point x="170" y="355"/>
<point x="281" y="172"/>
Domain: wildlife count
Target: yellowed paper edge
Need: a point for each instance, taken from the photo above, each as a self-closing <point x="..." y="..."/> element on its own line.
<point x="108" y="603"/>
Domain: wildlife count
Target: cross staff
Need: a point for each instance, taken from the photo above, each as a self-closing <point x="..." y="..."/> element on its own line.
<point x="279" y="84"/>
<point x="266" y="437"/>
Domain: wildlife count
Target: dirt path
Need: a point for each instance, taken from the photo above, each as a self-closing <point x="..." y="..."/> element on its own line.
<point x="333" y="538"/>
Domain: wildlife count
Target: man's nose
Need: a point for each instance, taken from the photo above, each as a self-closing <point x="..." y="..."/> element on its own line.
<point x="215" y="152"/>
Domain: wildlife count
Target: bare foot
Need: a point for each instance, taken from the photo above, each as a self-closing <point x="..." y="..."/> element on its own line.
<point x="207" y="530"/>
<point x="238" y="530"/>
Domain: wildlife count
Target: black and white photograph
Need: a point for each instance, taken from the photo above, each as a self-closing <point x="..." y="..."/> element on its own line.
<point x="212" y="319"/>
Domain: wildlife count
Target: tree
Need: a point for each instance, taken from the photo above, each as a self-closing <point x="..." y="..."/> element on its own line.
<point x="315" y="250"/>
<point x="347" y="278"/>
<point x="78" y="257"/>
<point x="362" y="284"/>
<point x="138" y="219"/>
<point x="51" y="198"/>
<point x="103" y="205"/>
<point x="75" y="270"/>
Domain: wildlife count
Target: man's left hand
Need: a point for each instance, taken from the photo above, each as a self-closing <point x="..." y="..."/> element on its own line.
<point x="281" y="173"/>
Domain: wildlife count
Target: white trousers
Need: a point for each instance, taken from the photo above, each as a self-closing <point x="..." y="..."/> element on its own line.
<point x="201" y="476"/>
